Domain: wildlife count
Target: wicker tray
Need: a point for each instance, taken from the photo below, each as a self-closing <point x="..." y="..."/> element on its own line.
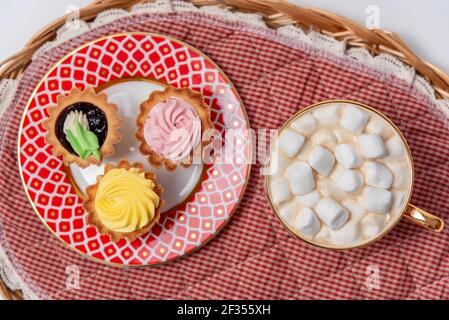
<point x="276" y="14"/>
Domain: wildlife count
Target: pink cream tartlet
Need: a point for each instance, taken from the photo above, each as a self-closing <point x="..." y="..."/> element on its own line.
<point x="170" y="127"/>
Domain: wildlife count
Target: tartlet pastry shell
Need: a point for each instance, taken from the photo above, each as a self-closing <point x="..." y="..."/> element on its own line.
<point x="193" y="98"/>
<point x="93" y="219"/>
<point x="100" y="101"/>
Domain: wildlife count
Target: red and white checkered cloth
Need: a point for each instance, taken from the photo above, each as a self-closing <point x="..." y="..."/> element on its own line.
<point x="253" y="257"/>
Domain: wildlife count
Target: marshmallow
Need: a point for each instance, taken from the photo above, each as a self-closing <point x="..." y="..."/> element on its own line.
<point x="309" y="200"/>
<point x="372" y="145"/>
<point x="327" y="115"/>
<point x="280" y="190"/>
<point x="305" y="124"/>
<point x="372" y="225"/>
<point x="348" y="234"/>
<point x="301" y="178"/>
<point x="377" y="175"/>
<point x="278" y="163"/>
<point x="378" y="126"/>
<point x="395" y="147"/>
<point x="307" y="223"/>
<point x="289" y="212"/>
<point x="332" y="213"/>
<point x="326" y="138"/>
<point x="321" y="159"/>
<point x="398" y="199"/>
<point x="376" y="199"/>
<point x="328" y="188"/>
<point x="349" y="180"/>
<point x="323" y="235"/>
<point x="343" y="136"/>
<point x="354" y="119"/>
<point x="347" y="156"/>
<point x="355" y="209"/>
<point x="290" y="142"/>
<point x="401" y="174"/>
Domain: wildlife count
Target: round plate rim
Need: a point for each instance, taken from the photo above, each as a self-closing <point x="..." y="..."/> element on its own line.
<point x="247" y="127"/>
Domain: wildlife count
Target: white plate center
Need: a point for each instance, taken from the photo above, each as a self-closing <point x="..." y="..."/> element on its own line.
<point x="128" y="96"/>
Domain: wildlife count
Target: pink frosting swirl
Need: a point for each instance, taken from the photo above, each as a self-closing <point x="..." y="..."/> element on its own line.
<point x="173" y="129"/>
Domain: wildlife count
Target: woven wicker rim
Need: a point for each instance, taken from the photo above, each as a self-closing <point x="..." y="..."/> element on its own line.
<point x="276" y="13"/>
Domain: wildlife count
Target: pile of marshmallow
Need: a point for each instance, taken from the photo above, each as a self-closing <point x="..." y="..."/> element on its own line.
<point x="339" y="174"/>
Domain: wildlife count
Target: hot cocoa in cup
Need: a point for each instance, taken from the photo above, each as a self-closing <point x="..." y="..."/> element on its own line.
<point x="341" y="176"/>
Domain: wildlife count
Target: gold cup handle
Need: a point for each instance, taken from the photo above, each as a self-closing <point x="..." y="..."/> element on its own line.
<point x="423" y="218"/>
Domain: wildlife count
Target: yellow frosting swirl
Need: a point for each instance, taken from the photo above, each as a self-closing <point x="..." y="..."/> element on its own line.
<point x="125" y="200"/>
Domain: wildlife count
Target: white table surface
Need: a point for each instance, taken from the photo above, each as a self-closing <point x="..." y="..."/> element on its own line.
<point x="422" y="24"/>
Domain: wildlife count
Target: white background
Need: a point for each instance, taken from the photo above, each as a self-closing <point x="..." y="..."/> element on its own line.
<point x="422" y="24"/>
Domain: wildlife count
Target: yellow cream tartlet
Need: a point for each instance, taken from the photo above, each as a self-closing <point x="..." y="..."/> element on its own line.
<point x="125" y="202"/>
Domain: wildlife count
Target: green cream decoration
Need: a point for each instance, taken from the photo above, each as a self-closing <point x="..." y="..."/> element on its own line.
<point x="84" y="142"/>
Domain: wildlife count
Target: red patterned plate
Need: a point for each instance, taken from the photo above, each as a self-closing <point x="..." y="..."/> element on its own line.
<point x="128" y="67"/>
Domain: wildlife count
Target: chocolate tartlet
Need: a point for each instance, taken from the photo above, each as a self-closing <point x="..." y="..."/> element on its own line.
<point x="82" y="127"/>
